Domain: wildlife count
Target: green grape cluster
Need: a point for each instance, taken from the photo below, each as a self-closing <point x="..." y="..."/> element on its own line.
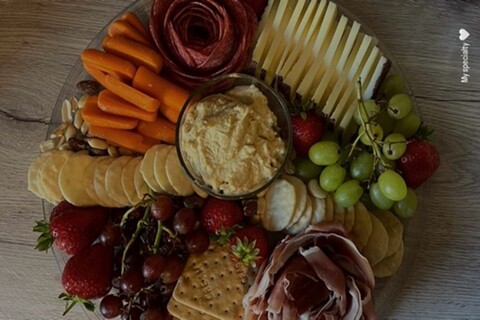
<point x="365" y="169"/>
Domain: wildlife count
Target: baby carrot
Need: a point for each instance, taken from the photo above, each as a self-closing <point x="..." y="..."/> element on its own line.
<point x="171" y="96"/>
<point x="109" y="63"/>
<point x="110" y="103"/>
<point x="160" y="129"/>
<point x="96" y="117"/>
<point x="124" y="29"/>
<point x="137" y="53"/>
<point x="95" y="73"/>
<point x="132" y="19"/>
<point x="124" y="138"/>
<point x="131" y="94"/>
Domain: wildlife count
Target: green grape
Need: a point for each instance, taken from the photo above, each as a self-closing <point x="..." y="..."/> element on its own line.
<point x="374" y="132"/>
<point x="332" y="177"/>
<point x="362" y="166"/>
<point x="329" y="136"/>
<point x="392" y="185"/>
<point x="306" y="170"/>
<point x="324" y="153"/>
<point x="399" y="106"/>
<point x="378" y="199"/>
<point x="394" y="146"/>
<point x="392" y="85"/>
<point x="348" y="193"/>
<point x="406" y="208"/>
<point x="386" y="122"/>
<point x="409" y="125"/>
<point x="370" y="110"/>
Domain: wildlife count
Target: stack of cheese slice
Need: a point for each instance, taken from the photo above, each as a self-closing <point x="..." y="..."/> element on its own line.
<point x="320" y="55"/>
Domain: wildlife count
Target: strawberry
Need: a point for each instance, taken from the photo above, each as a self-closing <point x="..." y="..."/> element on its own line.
<point x="87" y="275"/>
<point x="307" y="129"/>
<point x="418" y="163"/>
<point x="250" y="245"/>
<point x="71" y="228"/>
<point x="220" y="214"/>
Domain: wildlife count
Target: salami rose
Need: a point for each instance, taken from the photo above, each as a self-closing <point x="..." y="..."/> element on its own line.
<point x="201" y="39"/>
<point x="318" y="274"/>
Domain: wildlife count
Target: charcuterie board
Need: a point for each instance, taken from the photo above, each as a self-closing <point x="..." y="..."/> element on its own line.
<point x="385" y="289"/>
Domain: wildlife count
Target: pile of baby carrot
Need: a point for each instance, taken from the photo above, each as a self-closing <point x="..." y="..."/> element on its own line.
<point x="138" y="108"/>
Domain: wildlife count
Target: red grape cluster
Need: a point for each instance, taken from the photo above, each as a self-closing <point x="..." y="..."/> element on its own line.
<point x="152" y="243"/>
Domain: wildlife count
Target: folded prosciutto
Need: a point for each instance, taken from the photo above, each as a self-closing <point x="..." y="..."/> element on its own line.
<point x="318" y="274"/>
<point x="201" y="39"/>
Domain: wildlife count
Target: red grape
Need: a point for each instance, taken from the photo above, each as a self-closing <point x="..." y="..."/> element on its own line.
<point x="131" y="281"/>
<point x="184" y="220"/>
<point x="193" y="201"/>
<point x="153" y="267"/>
<point x="152" y="314"/>
<point x="197" y="241"/>
<point x="111" y="235"/>
<point x="111" y="306"/>
<point x="134" y="314"/>
<point x="162" y="208"/>
<point x="173" y="269"/>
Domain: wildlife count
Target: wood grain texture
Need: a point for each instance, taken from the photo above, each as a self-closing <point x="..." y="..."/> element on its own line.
<point x="40" y="41"/>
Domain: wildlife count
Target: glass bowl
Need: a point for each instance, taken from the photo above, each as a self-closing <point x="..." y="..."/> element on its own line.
<point x="222" y="84"/>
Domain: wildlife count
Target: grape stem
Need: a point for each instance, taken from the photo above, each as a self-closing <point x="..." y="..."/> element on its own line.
<point x="377" y="153"/>
<point x="158" y="237"/>
<point x="140" y="224"/>
<point x="136" y="295"/>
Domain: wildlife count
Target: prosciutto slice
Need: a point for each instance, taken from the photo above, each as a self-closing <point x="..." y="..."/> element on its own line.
<point x="318" y="274"/>
<point x="201" y="39"/>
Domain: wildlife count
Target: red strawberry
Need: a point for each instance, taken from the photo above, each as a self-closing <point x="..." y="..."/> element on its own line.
<point x="88" y="275"/>
<point x="306" y="130"/>
<point x="220" y="214"/>
<point x="71" y="228"/>
<point x="250" y="245"/>
<point x="418" y="163"/>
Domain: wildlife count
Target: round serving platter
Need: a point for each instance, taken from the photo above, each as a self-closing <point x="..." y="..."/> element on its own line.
<point x="386" y="289"/>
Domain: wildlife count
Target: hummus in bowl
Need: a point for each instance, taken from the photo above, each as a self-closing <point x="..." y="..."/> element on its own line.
<point x="234" y="144"/>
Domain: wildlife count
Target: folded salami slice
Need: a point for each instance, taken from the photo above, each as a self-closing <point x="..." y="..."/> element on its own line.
<point x="201" y="39"/>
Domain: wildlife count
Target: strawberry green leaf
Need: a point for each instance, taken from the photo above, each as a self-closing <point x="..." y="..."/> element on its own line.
<point x="71" y="301"/>
<point x="45" y="240"/>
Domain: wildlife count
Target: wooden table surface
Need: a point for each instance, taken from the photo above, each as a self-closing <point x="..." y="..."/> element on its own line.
<point x="41" y="40"/>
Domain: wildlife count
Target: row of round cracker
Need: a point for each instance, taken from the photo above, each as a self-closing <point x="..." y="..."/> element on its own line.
<point x="378" y="235"/>
<point x="163" y="172"/>
<point x="291" y="205"/>
<point x="110" y="182"/>
<point x="84" y="180"/>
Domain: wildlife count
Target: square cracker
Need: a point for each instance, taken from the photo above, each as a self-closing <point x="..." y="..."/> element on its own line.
<point x="183" y="312"/>
<point x="213" y="283"/>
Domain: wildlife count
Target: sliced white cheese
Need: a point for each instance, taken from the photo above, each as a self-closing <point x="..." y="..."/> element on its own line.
<point x="307" y="42"/>
<point x="345" y="45"/>
<point x="369" y="90"/>
<point x="327" y="98"/>
<point x="304" y="62"/>
<point x="316" y="71"/>
<point x="298" y="38"/>
<point x="350" y="93"/>
<point x="263" y="38"/>
<point x="281" y="40"/>
<point x="352" y="36"/>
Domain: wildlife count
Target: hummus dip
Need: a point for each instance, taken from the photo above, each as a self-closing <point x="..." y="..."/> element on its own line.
<point x="231" y="142"/>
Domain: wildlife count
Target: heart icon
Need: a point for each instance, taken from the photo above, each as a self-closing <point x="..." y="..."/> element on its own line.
<point x="463" y="34"/>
